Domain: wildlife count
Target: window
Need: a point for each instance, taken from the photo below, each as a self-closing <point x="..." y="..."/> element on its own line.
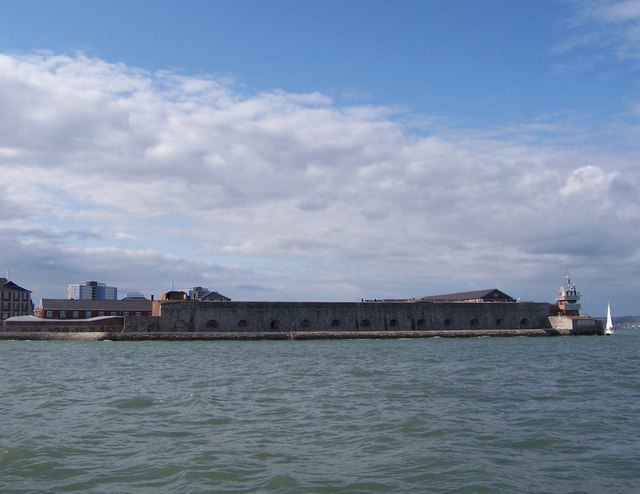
<point x="498" y="323"/>
<point x="212" y="324"/>
<point x="87" y="314"/>
<point x="63" y="314"/>
<point x="421" y="323"/>
<point x="138" y="313"/>
<point x="125" y="313"/>
<point x="305" y="324"/>
<point x="448" y="322"/>
<point x="100" y="313"/>
<point x="474" y="323"/>
<point x="113" y="313"/>
<point x="335" y="323"/>
<point x="274" y="324"/>
<point x="75" y="314"/>
<point x="242" y="323"/>
<point x="49" y="314"/>
<point x="365" y="323"/>
<point x="393" y="323"/>
<point x="524" y="322"/>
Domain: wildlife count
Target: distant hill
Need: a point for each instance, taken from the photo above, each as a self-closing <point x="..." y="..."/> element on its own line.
<point x="624" y="322"/>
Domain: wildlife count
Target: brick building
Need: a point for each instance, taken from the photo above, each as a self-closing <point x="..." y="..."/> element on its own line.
<point x="14" y="300"/>
<point x="51" y="308"/>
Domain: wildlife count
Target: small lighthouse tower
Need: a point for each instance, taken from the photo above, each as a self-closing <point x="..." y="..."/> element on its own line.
<point x="568" y="299"/>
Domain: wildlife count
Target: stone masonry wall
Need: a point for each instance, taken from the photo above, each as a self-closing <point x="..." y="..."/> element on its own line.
<point x="194" y="316"/>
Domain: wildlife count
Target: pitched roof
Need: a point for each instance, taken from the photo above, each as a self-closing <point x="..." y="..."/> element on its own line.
<point x="487" y="295"/>
<point x="10" y="285"/>
<point x="71" y="304"/>
<point x="215" y="296"/>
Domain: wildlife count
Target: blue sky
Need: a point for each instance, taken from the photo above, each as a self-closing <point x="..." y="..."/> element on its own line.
<point x="322" y="150"/>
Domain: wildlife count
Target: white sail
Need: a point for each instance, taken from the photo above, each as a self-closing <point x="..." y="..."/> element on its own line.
<point x="608" y="328"/>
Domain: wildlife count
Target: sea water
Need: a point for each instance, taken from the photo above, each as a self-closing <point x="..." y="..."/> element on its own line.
<point x="481" y="415"/>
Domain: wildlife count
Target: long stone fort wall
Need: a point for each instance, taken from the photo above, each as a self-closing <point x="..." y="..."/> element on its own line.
<point x="234" y="317"/>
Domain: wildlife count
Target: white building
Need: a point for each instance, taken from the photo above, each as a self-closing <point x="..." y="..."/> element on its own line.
<point x="91" y="290"/>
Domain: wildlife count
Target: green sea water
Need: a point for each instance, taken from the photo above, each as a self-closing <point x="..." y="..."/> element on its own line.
<point x="481" y="415"/>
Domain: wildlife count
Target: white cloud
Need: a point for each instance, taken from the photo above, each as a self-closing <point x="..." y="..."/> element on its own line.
<point x="287" y="196"/>
<point x="611" y="25"/>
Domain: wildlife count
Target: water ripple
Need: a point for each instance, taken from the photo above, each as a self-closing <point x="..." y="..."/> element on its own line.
<point x="412" y="416"/>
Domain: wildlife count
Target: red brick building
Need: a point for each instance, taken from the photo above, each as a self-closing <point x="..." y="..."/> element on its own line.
<point x="51" y="308"/>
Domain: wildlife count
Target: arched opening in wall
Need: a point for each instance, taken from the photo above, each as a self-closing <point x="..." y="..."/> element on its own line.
<point x="421" y="324"/>
<point x="212" y="324"/>
<point x="273" y="325"/>
<point x="365" y="323"/>
<point x="447" y="323"/>
<point x="179" y="325"/>
<point x="305" y="323"/>
<point x="524" y="322"/>
<point x="335" y="323"/>
<point x="475" y="323"/>
<point x="242" y="323"/>
<point x="393" y="323"/>
<point x="499" y="323"/>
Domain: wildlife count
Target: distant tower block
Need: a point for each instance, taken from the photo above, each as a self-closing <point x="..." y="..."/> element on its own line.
<point x="91" y="290"/>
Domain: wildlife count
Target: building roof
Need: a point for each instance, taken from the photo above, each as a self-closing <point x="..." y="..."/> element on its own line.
<point x="71" y="304"/>
<point x="215" y="296"/>
<point x="487" y="295"/>
<point x="10" y="285"/>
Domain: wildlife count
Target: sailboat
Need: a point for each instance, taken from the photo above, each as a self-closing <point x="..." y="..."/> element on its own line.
<point x="608" y="328"/>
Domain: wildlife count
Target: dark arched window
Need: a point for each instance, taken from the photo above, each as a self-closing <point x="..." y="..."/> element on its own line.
<point x="393" y="323"/>
<point x="212" y="324"/>
<point x="179" y="325"/>
<point x="524" y="322"/>
<point x="448" y="322"/>
<point x="474" y="323"/>
<point x="242" y="323"/>
<point x="498" y="323"/>
<point x="365" y="323"/>
<point x="305" y="324"/>
<point x="335" y="323"/>
<point x="421" y="323"/>
<point x="274" y="324"/>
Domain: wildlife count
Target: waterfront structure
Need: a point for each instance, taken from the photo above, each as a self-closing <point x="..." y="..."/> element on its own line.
<point x="568" y="299"/>
<point x="14" y="300"/>
<point x="176" y="313"/>
<point x="91" y="290"/>
<point x="464" y="314"/>
<point x="565" y="313"/>
<point x="85" y="309"/>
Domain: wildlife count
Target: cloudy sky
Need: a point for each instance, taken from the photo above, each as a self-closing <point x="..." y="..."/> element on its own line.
<point x="322" y="150"/>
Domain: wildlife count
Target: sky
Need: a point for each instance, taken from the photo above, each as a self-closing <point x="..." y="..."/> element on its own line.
<point x="322" y="150"/>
